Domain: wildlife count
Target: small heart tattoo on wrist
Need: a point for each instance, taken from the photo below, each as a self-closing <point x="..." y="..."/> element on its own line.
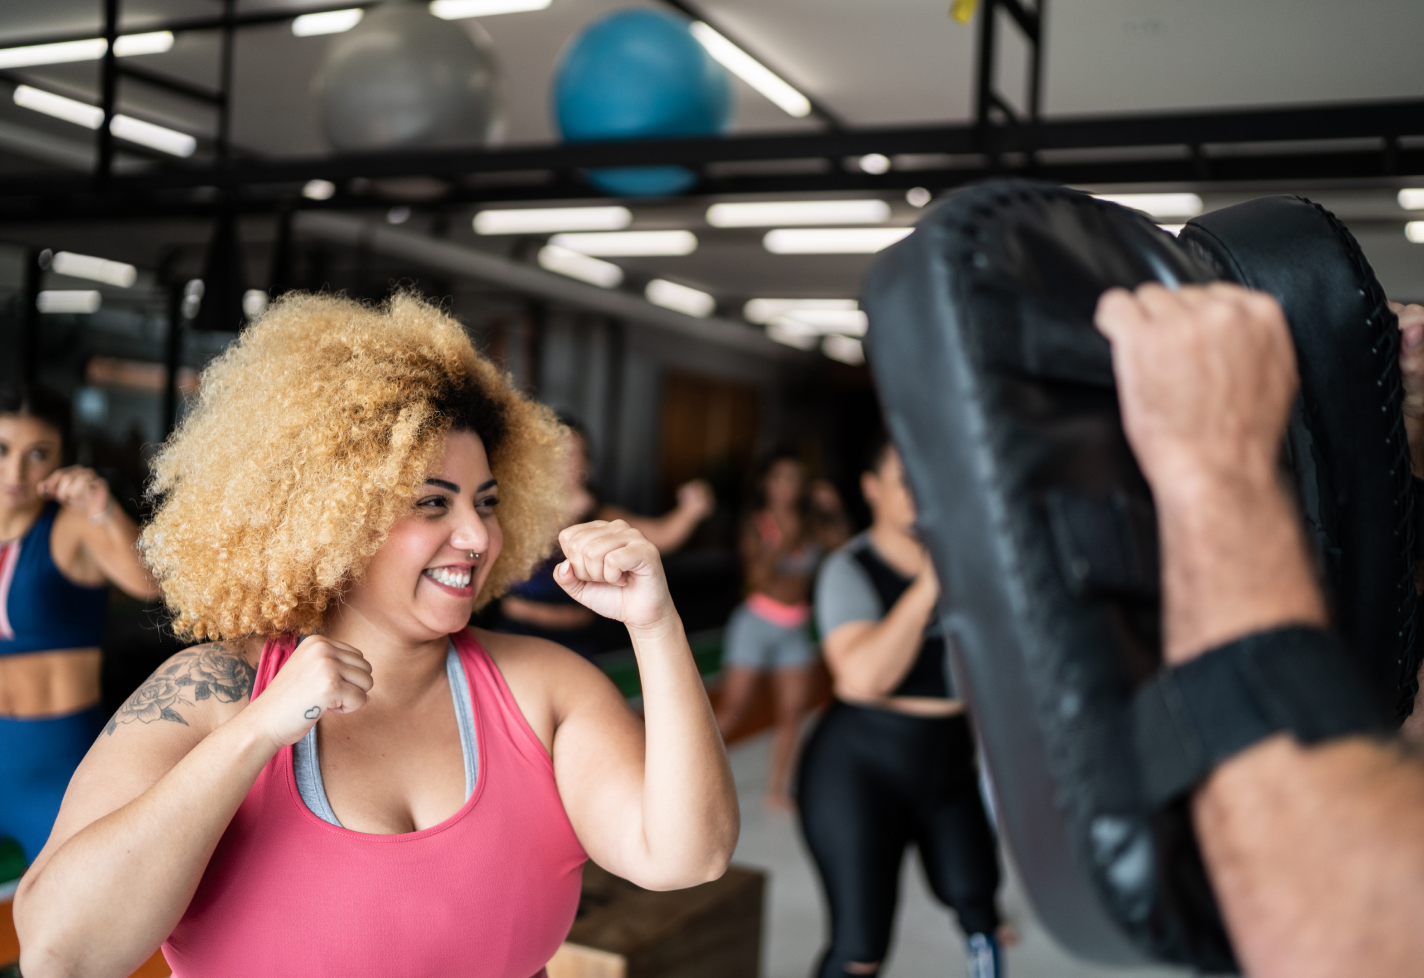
<point x="313" y="713"/>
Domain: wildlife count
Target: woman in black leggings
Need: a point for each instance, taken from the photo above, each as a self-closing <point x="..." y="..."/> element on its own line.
<point x="892" y="761"/>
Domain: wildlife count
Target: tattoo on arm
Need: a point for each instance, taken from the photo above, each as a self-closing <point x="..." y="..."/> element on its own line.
<point x="191" y="677"/>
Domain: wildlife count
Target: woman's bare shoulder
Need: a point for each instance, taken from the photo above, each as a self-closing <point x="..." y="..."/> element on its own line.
<point x="208" y="682"/>
<point x="548" y="681"/>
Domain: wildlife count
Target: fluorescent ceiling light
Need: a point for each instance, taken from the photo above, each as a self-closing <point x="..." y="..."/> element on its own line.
<point x="546" y="220"/>
<point x="327" y="22"/>
<point x="752" y="71"/>
<point x="1172" y="229"/>
<point x="773" y="213"/>
<point x="604" y="274"/>
<point x="154" y="42"/>
<point x="161" y="138"/>
<point x="876" y="163"/>
<point x="1414" y="231"/>
<point x="69" y="300"/>
<point x="785" y="331"/>
<point x="90" y="49"/>
<point x="831" y="241"/>
<point x="59" y="107"/>
<point x="1412" y="199"/>
<point x="95" y="269"/>
<point x="670" y="295"/>
<point x="1160" y="206"/>
<point x="628" y="244"/>
<point x="254" y="303"/>
<point x="918" y="196"/>
<point x="460" y="9"/>
<point x="318" y="190"/>
<point x="762" y="311"/>
<point x="851" y="322"/>
<point x="844" y="349"/>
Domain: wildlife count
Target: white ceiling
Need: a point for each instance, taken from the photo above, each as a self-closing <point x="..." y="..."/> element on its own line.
<point x="873" y="62"/>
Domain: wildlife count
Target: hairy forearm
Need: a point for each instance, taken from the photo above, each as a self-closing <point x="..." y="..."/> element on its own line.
<point x="114" y="891"/>
<point x="1317" y="858"/>
<point x="876" y="660"/>
<point x="689" y="806"/>
<point x="1234" y="562"/>
<point x="1316" y="854"/>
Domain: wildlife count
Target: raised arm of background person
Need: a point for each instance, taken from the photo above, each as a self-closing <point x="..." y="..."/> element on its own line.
<point x="868" y="659"/>
<point x="149" y="803"/>
<point x="651" y="801"/>
<point x="104" y="531"/>
<point x="1411" y="370"/>
<point x="695" y="502"/>
<point x="1316" y="854"/>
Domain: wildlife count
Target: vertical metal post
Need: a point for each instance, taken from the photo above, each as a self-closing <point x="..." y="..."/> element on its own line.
<point x="613" y="404"/>
<point x="224" y="140"/>
<point x="30" y="318"/>
<point x="108" y="92"/>
<point x="988" y="16"/>
<point x="172" y="354"/>
<point x="1035" y="68"/>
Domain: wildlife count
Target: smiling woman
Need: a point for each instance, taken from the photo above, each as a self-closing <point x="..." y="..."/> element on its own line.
<point x="353" y="482"/>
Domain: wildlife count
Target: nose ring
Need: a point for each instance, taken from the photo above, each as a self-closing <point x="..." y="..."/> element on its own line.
<point x="474" y="556"/>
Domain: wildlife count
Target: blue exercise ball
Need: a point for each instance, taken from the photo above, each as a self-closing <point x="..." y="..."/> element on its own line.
<point x="640" y="74"/>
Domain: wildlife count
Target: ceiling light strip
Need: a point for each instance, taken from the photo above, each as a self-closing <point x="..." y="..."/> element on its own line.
<point x="124" y="127"/>
<point x="628" y="244"/>
<point x="831" y="241"/>
<point x="752" y="71"/>
<point x="90" y="49"/>
<point x="779" y="213"/>
<point x="547" y="220"/>
<point x="461" y="9"/>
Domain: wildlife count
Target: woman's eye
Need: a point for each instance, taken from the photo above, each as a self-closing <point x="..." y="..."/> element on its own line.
<point x="433" y="502"/>
<point x="488" y="502"/>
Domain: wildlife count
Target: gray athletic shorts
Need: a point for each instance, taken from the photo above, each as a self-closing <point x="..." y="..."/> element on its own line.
<point x="755" y="643"/>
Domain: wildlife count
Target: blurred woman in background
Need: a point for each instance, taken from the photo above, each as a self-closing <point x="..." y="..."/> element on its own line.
<point x="63" y="541"/>
<point x="539" y="606"/>
<point x="781" y="545"/>
<point x="892" y="760"/>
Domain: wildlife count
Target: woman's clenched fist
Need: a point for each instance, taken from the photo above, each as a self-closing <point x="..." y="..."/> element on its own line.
<point x="614" y="571"/>
<point x="322" y="676"/>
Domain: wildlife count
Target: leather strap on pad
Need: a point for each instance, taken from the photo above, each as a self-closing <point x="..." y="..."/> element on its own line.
<point x="1189" y="719"/>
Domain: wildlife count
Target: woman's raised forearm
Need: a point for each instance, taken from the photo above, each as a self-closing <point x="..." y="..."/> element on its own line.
<point x="100" y="904"/>
<point x="690" y="818"/>
<point x="876" y="658"/>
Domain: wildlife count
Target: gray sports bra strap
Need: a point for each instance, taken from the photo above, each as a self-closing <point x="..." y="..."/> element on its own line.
<point x="308" y="769"/>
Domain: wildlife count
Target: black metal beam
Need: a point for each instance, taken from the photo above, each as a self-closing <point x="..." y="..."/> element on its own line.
<point x="170" y="84"/>
<point x="108" y="95"/>
<point x="1220" y="147"/>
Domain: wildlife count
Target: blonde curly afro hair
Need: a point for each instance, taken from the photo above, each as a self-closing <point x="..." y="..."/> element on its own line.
<point x="312" y="434"/>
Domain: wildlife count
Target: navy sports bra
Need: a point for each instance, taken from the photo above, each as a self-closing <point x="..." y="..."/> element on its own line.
<point x="40" y="608"/>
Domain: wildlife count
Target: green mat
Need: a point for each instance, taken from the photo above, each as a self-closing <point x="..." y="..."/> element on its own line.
<point x="12" y="860"/>
<point x="622" y="666"/>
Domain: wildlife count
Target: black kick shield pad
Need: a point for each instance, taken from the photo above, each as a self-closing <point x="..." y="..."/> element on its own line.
<point x="1346" y="444"/>
<point x="999" y="393"/>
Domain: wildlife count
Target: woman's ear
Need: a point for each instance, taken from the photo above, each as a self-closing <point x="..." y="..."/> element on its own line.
<point x="870" y="488"/>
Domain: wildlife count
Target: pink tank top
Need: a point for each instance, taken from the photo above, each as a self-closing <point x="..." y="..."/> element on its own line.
<point x="488" y="893"/>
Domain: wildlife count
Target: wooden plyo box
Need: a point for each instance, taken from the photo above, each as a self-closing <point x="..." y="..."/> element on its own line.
<point x="624" y="931"/>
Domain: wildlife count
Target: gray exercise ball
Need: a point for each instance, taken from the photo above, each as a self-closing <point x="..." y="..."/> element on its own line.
<point x="403" y="77"/>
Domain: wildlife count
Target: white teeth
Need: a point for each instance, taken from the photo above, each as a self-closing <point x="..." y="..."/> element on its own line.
<point x="449" y="576"/>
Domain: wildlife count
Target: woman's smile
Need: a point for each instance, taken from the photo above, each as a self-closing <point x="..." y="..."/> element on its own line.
<point x="454" y="579"/>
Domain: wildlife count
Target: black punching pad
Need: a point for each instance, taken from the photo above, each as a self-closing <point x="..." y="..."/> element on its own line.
<point x="999" y="393"/>
<point x="1346" y="444"/>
